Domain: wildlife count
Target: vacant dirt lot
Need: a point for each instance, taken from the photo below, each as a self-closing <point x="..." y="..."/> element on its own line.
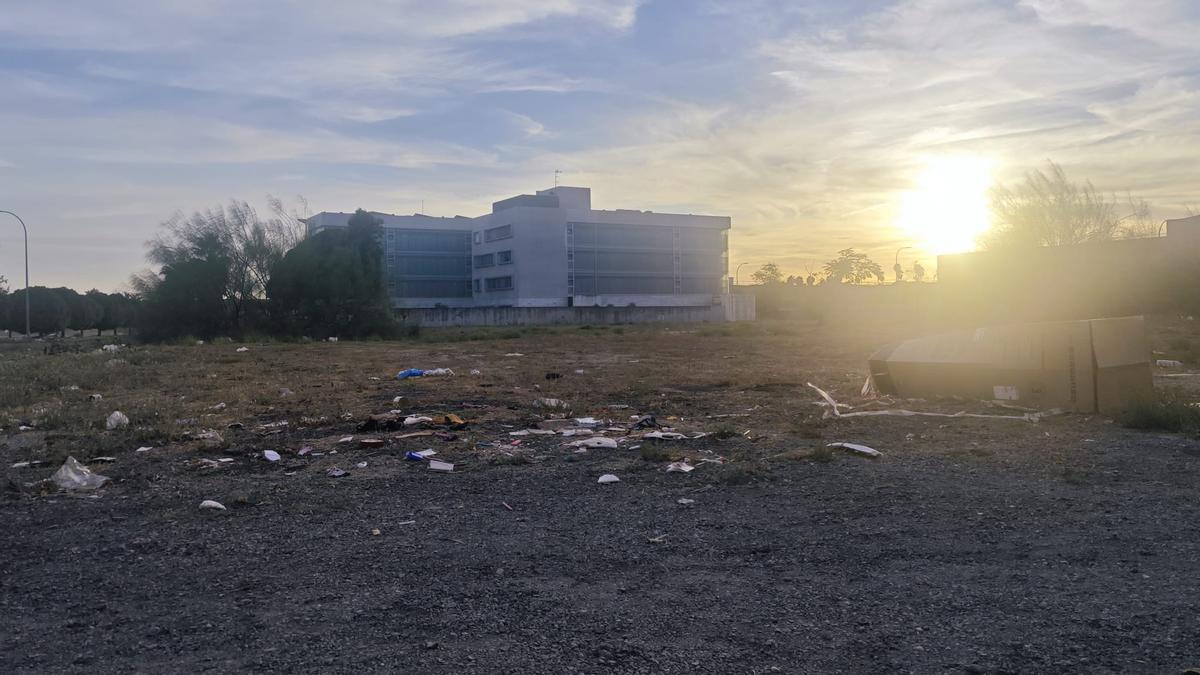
<point x="972" y="545"/>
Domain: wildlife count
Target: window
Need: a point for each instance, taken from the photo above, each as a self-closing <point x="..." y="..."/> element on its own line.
<point x="499" y="284"/>
<point x="485" y="260"/>
<point x="477" y="285"/>
<point x="504" y="258"/>
<point x="478" y="238"/>
<point x="497" y="233"/>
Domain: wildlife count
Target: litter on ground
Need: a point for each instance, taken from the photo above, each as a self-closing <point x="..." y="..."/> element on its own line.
<point x="438" y="465"/>
<point x="858" y="449"/>
<point x="116" y="420"/>
<point x="679" y="467"/>
<point x="74" y="476"/>
<point x="209" y="504"/>
<point x="599" y="442"/>
<point x="608" y="478"/>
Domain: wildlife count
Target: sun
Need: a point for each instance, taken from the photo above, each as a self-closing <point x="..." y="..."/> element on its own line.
<point x="947" y="209"/>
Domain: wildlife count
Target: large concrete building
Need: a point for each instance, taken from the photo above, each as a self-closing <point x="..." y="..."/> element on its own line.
<point x="552" y="249"/>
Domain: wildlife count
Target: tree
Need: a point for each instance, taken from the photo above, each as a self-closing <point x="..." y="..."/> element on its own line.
<point x="332" y="283"/>
<point x="852" y="267"/>
<point x="188" y="301"/>
<point x="84" y="312"/>
<point x="48" y="312"/>
<point x="235" y="237"/>
<point x="767" y="274"/>
<point x="1047" y="209"/>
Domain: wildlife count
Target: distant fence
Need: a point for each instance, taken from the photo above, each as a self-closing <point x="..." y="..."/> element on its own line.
<point x="731" y="308"/>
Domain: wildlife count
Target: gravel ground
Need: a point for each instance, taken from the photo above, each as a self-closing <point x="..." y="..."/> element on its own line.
<point x="916" y="562"/>
<point x="983" y="546"/>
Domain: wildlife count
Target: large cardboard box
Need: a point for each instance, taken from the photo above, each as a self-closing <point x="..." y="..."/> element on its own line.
<point x="1097" y="365"/>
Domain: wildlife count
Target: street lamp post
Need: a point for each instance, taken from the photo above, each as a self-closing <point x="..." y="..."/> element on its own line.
<point x="735" y="274"/>
<point x="896" y="262"/>
<point x="26" y="231"/>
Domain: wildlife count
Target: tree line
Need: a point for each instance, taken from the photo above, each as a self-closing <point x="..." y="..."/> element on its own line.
<point x="228" y="272"/>
<point x="56" y="310"/>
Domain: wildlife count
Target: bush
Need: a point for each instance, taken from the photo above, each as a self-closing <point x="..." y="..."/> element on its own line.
<point x="1165" y="411"/>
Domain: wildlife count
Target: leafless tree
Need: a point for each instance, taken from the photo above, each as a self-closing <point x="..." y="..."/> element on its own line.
<point x="1047" y="209"/>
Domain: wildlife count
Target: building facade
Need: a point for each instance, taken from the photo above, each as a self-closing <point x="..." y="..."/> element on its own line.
<point x="551" y="249"/>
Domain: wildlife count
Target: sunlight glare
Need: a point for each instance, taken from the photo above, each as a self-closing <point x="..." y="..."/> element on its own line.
<point x="947" y="209"/>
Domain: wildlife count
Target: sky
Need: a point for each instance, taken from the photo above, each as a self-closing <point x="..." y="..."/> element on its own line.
<point x="816" y="126"/>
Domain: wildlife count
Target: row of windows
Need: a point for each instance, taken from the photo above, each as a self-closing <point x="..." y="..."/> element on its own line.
<point x="428" y="240"/>
<point x="496" y="284"/>
<point x="494" y="234"/>
<point x="489" y="259"/>
<point x="429" y="288"/>
<point x="590" y="235"/>
<point x="645" y="285"/>
<point x="425" y="265"/>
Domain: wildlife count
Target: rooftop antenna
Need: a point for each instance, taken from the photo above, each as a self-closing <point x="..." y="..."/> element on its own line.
<point x="556" y="174"/>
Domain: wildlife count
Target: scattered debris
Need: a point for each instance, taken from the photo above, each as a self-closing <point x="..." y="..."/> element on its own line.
<point x="218" y="407"/>
<point x="553" y="376"/>
<point x="449" y="420"/>
<point x="102" y="460"/>
<point x="117" y="420"/>
<point x="859" y="449"/>
<point x="209" y="439"/>
<point x="665" y="436"/>
<point x="94" y="397"/>
<point x="505" y="504"/>
<point x="412" y="420"/>
<point x="831" y="410"/>
<point x="304" y="450"/>
<point x="397" y="399"/>
<point x="514" y="354"/>
<point x="438" y="465"/>
<point x="346" y="439"/>
<point x="74" y="476"/>
<point x="597" y="442"/>
<point x="475" y="372"/>
<point x="551" y="403"/>
<point x="284" y="392"/>
<point x="417" y="372"/>
<point x="111" y="349"/>
<point x="1168" y="363"/>
<point x="209" y="504"/>
<point x="270" y="455"/>
<point x="242" y="349"/>
<point x="335" y="472"/>
<point x="361" y="465"/>
<point x="415" y="434"/>
<point x="331" y="339"/>
<point x="579" y="371"/>
<point x="372" y="442"/>
<point x="608" y="478"/>
<point x="680" y="467"/>
<point x="685" y="501"/>
<point x="32" y="462"/>
<point x="645" y="422"/>
<point x="532" y="432"/>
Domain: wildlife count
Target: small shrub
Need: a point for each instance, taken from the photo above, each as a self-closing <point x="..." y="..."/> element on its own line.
<point x="1163" y="412"/>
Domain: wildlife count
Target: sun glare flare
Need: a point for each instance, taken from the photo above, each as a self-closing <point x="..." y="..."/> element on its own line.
<point x="947" y="209"/>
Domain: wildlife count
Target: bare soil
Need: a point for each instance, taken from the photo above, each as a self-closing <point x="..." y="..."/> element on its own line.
<point x="972" y="545"/>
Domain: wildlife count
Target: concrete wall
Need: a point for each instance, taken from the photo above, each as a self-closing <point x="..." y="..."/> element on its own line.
<point x="1107" y="278"/>
<point x="732" y="308"/>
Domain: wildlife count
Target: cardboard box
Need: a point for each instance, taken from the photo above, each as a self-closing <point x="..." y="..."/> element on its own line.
<point x="1097" y="365"/>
